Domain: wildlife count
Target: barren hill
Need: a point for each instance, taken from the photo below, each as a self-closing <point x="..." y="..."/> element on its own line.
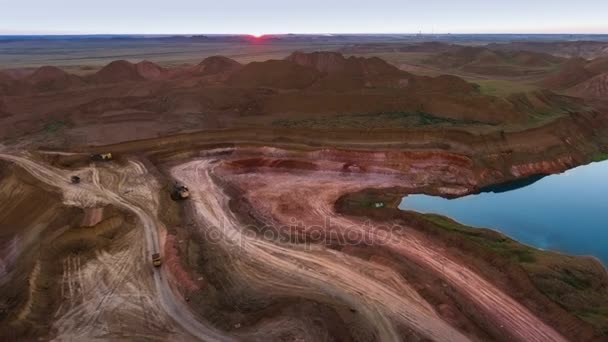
<point x="570" y="74"/>
<point x="482" y="60"/>
<point x="566" y="49"/>
<point x="220" y="92"/>
<point x="50" y="78"/>
<point x="333" y="62"/>
<point x="596" y="87"/>
<point x="122" y="71"/>
<point x="217" y="65"/>
<point x="275" y="74"/>
<point x="598" y="65"/>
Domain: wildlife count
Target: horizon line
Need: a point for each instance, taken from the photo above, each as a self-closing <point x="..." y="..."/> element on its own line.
<point x="303" y="34"/>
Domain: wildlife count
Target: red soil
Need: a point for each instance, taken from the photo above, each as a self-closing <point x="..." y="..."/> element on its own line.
<point x="596" y="87"/>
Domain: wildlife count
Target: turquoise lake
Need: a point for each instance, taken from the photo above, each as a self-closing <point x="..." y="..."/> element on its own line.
<point x="567" y="212"/>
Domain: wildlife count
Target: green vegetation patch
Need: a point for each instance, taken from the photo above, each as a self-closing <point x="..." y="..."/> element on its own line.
<point x="375" y="120"/>
<point x="599" y="156"/>
<point x="502" y="88"/>
<point x="55" y="126"/>
<point x="494" y="241"/>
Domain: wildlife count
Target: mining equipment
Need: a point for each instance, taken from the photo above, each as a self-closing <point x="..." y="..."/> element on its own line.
<point x="180" y="192"/>
<point x="102" y="157"/>
<point x="156" y="261"/>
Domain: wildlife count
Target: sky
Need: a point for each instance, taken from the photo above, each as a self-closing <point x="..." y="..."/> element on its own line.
<point x="309" y="16"/>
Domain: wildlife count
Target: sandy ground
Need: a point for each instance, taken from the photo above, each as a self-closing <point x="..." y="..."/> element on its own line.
<point x="384" y="296"/>
<point x="118" y="295"/>
<point x="100" y="294"/>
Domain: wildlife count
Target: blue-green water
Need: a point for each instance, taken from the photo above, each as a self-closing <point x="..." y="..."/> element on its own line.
<point x="566" y="212"/>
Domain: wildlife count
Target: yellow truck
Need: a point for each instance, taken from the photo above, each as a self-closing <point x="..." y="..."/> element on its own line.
<point x="180" y="192"/>
<point x="156" y="260"/>
<point x="102" y="157"/>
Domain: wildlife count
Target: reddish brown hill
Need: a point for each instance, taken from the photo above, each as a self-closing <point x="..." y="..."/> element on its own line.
<point x="598" y="65"/>
<point x="49" y="78"/>
<point x="341" y="73"/>
<point x="217" y="65"/>
<point x="18" y="73"/>
<point x="117" y="71"/>
<point x="567" y="49"/>
<point x="46" y="73"/>
<point x="125" y="71"/>
<point x="544" y="102"/>
<point x="482" y="60"/>
<point x="151" y="71"/>
<point x="3" y="112"/>
<point x="444" y="83"/>
<point x="534" y="59"/>
<point x="5" y="82"/>
<point x="274" y="74"/>
<point x="596" y="87"/>
<point x="333" y="62"/>
<point x="461" y="56"/>
<point x="570" y="74"/>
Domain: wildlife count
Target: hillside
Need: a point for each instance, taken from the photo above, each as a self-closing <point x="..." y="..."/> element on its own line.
<point x="304" y="89"/>
<point x="596" y="87"/>
<point x="274" y="74"/>
<point x="568" y="75"/>
<point x="485" y="61"/>
<point x="216" y="65"/>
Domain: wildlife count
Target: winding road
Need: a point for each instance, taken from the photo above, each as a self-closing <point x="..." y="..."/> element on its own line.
<point x="172" y="304"/>
<point x="377" y="291"/>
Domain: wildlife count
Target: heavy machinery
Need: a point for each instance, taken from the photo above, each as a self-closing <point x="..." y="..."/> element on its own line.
<point x="180" y="192"/>
<point x="156" y="260"/>
<point x="102" y="157"/>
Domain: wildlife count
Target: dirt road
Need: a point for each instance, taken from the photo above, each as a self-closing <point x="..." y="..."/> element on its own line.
<point x="373" y="288"/>
<point x="84" y="194"/>
<point x="387" y="300"/>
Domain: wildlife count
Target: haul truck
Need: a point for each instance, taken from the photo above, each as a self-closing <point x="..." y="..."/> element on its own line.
<point x="156" y="260"/>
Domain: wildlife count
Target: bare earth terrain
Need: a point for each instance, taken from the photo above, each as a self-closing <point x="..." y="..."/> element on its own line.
<point x="295" y="162"/>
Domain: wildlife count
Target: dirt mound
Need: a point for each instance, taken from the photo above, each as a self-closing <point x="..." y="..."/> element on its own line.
<point x="570" y="74"/>
<point x="119" y="71"/>
<point x="150" y="71"/>
<point x="274" y="74"/>
<point x="596" y="87"/>
<point x="217" y="65"/>
<point x="49" y="78"/>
